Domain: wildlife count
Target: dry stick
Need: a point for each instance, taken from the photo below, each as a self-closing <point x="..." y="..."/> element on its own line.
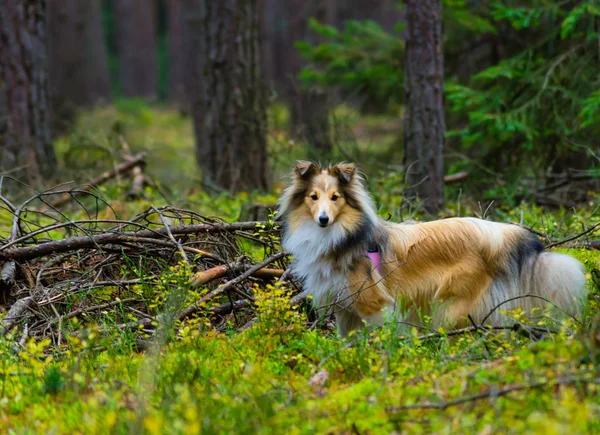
<point x="224" y="287"/>
<point x="230" y="307"/>
<point x="14" y="233"/>
<point x="81" y="311"/>
<point x="587" y="244"/>
<point x="104" y="177"/>
<point x="569" y="239"/>
<point x="208" y="275"/>
<point x="137" y="184"/>
<point x="173" y="239"/>
<point x="15" y="313"/>
<point x="80" y="242"/>
<point x="530" y="229"/>
<point x="456" y="178"/>
<point x="7" y="274"/>
<point x="490" y="393"/>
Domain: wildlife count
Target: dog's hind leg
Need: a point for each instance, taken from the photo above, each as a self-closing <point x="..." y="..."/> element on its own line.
<point x="460" y="294"/>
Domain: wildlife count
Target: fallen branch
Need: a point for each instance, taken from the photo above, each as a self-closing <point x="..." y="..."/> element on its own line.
<point x="583" y="244"/>
<point x="93" y="308"/>
<point x="229" y="284"/>
<point x="137" y="184"/>
<point x="575" y="237"/>
<point x="120" y="169"/>
<point x="456" y="178"/>
<point x="491" y="393"/>
<point x="93" y="241"/>
<point x="208" y="275"/>
<point x="16" y="312"/>
<point x="230" y="307"/>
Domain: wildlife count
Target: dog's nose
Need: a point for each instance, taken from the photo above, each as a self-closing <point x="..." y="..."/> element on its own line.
<point x="323" y="220"/>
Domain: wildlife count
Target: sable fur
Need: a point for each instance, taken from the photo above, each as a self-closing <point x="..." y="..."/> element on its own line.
<point x="450" y="268"/>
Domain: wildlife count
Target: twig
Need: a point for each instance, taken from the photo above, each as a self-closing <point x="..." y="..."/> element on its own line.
<point x="121" y="168"/>
<point x="530" y="229"/>
<point x="585" y="244"/>
<point x="561" y="242"/>
<point x="7" y="274"/>
<point x="15" y="313"/>
<point x="168" y="231"/>
<point x="100" y="307"/>
<point x="490" y="393"/>
<point x="137" y="183"/>
<point x="224" y="287"/>
<point x="230" y="307"/>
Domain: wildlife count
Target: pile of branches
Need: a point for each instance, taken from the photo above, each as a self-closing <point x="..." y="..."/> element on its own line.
<point x="53" y="268"/>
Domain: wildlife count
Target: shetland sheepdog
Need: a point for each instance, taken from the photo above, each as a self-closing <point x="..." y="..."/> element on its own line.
<point x="456" y="270"/>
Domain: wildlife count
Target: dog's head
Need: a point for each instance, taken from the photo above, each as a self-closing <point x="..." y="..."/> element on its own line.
<point x="323" y="194"/>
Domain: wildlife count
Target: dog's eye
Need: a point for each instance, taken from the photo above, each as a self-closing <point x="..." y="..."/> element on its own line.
<point x="314" y="197"/>
<point x="335" y="197"/>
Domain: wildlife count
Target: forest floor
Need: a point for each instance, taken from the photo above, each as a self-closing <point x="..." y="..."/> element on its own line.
<point x="287" y="373"/>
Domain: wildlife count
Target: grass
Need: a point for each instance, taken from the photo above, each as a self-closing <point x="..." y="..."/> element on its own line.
<point x="194" y="379"/>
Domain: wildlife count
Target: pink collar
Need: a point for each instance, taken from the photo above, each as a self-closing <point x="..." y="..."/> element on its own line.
<point x="375" y="257"/>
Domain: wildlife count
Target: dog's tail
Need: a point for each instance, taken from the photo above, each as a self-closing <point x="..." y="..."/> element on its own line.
<point x="554" y="277"/>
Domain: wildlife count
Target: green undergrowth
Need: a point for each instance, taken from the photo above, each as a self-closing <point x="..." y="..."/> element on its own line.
<point x="287" y="374"/>
<point x="266" y="380"/>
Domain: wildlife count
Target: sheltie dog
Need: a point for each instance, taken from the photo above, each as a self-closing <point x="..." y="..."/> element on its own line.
<point x="456" y="270"/>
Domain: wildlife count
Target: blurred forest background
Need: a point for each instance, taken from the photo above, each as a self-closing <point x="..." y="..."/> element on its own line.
<point x="144" y="144"/>
<point x="264" y="82"/>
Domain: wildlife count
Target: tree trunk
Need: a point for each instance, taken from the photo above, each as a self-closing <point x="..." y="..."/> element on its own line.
<point x="424" y="118"/>
<point x="136" y="34"/>
<point x="25" y="147"/>
<point x="78" y="65"/>
<point x="309" y="107"/>
<point x="100" y="91"/>
<point x="177" y="52"/>
<point x="229" y="114"/>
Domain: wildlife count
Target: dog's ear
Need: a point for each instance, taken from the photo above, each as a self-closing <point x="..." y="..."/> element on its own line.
<point x="304" y="169"/>
<point x="345" y="171"/>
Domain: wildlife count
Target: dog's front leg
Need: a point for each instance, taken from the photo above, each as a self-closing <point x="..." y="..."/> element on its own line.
<point x="370" y="299"/>
<point x="346" y="320"/>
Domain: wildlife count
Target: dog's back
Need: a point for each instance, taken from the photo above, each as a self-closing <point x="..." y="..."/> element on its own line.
<point x="479" y="268"/>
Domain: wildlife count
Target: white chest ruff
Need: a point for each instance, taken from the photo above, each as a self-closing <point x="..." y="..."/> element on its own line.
<point x="310" y="245"/>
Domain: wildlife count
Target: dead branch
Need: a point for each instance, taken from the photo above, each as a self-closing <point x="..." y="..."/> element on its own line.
<point x="93" y="241"/>
<point x="230" y="307"/>
<point x="456" y="178"/>
<point x="229" y="284"/>
<point x="206" y="276"/>
<point x="7" y="274"/>
<point x="575" y="237"/>
<point x="137" y="184"/>
<point x="120" y="169"/>
<point x="493" y="393"/>
<point x="16" y="313"/>
<point x="583" y="244"/>
<point x="93" y="308"/>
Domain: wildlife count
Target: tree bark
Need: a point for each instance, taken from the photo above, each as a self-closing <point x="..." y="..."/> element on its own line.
<point x="424" y="118"/>
<point x="136" y="35"/>
<point x="309" y="107"/>
<point x="100" y="90"/>
<point x="177" y="52"/>
<point x="229" y="109"/>
<point x="78" y="65"/>
<point x="25" y="142"/>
